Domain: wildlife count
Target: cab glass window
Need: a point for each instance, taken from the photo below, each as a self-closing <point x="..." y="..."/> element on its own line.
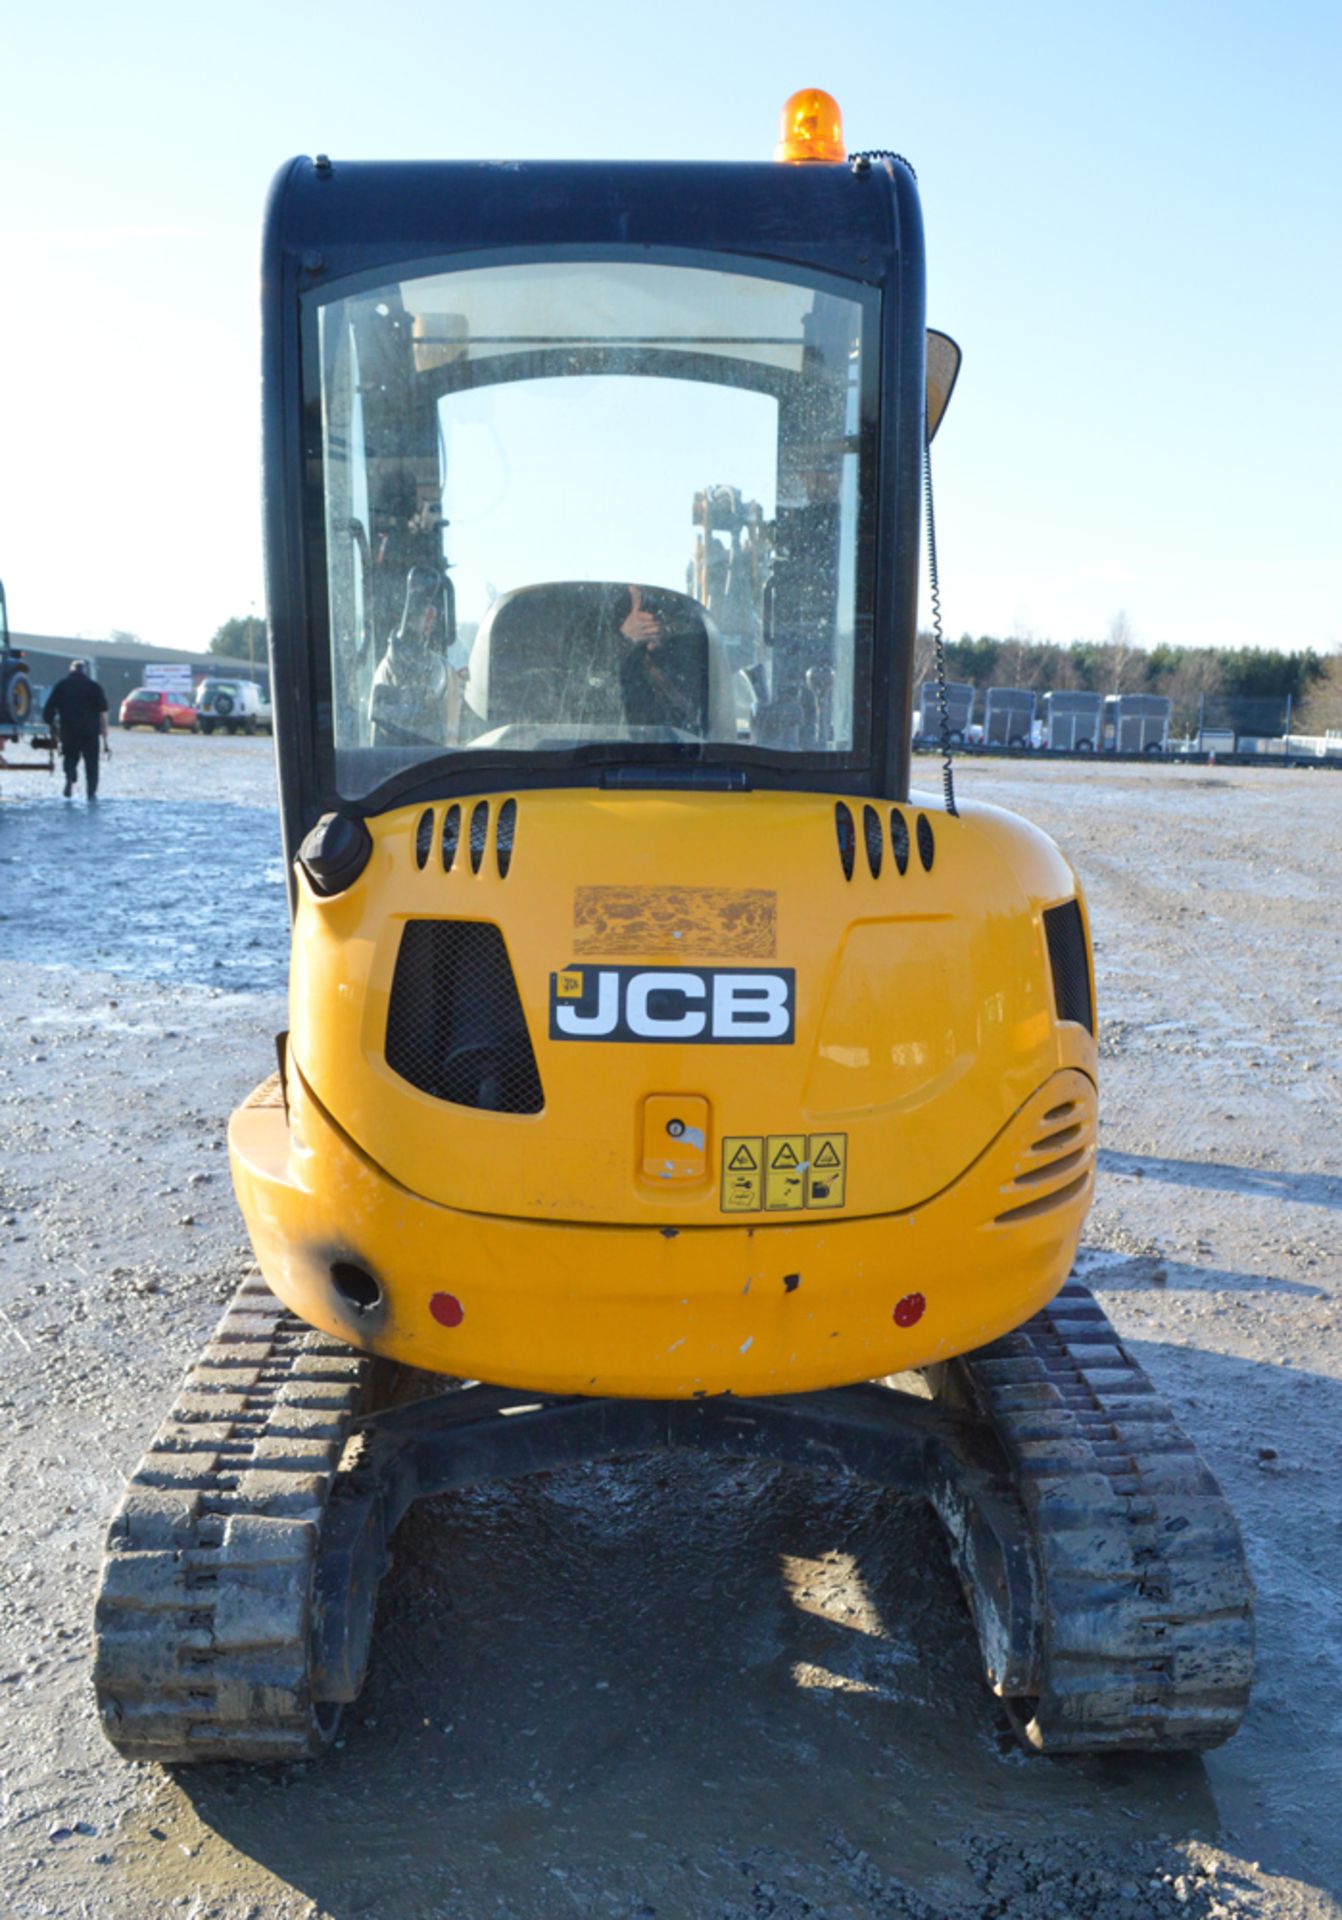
<point x="595" y="510"/>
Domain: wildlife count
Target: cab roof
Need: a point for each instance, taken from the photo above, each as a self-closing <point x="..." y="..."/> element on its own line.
<point x="353" y="216"/>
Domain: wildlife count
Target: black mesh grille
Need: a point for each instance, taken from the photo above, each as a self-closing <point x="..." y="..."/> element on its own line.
<point x="927" y="846"/>
<point x="455" y="1026"/>
<point x="1066" y="934"/>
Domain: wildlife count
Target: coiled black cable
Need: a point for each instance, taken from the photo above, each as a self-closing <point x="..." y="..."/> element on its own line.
<point x="860" y="162"/>
<point x="947" y="777"/>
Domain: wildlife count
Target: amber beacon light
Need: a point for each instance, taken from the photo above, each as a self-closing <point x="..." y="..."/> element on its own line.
<point x="811" y="127"/>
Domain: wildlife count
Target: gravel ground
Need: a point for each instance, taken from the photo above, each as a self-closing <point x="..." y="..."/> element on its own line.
<point x="689" y="1689"/>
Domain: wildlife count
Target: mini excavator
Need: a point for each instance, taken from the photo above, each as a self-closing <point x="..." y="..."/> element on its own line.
<point x="662" y="1071"/>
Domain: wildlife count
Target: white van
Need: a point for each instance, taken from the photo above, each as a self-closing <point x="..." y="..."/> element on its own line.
<point x="234" y="706"/>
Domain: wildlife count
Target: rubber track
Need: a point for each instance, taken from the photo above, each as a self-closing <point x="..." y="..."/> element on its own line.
<point x="202" y="1621"/>
<point x="1145" y="1631"/>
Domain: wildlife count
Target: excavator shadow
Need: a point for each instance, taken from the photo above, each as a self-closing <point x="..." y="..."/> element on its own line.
<point x="1256" y="1183"/>
<point x="631" y="1671"/>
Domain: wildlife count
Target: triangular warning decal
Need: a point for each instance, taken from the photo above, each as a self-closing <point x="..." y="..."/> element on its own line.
<point x="785" y="1157"/>
<point x="827" y="1156"/>
<point x="743" y="1161"/>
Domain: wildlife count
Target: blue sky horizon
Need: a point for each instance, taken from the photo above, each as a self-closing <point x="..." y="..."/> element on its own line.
<point x="1132" y="231"/>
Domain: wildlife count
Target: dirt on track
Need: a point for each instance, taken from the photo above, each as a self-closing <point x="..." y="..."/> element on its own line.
<point x="673" y="1688"/>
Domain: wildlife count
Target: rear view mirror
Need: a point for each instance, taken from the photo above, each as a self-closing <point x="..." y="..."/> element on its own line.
<point x="943" y="367"/>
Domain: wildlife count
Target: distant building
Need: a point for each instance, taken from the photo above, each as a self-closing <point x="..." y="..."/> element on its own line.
<point x="119" y="665"/>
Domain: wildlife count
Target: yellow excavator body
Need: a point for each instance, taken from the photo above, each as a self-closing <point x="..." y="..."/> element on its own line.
<point x="894" y="1177"/>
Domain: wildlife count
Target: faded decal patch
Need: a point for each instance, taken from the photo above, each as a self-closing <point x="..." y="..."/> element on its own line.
<point x="741" y="923"/>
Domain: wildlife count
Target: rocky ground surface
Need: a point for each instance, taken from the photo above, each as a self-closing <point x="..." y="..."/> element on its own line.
<point x="722" y="1693"/>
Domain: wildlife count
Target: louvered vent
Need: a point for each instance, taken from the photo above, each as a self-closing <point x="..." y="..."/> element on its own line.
<point x="455" y="1026"/>
<point x="1058" y="1165"/>
<point x="1066" y="935"/>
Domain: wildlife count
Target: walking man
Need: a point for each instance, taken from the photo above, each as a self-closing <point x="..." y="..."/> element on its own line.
<point x="77" y="707"/>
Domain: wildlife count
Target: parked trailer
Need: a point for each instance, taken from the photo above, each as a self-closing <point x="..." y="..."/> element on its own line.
<point x="959" y="711"/>
<point x="1008" y="716"/>
<point x="1072" y="721"/>
<point x="1136" y="723"/>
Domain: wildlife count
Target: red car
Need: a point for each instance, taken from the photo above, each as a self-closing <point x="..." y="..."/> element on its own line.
<point x="147" y="707"/>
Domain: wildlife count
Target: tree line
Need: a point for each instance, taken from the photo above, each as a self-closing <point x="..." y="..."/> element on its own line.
<point x="241" y="638"/>
<point x="1186" y="675"/>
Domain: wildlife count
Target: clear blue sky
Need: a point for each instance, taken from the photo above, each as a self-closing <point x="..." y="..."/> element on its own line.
<point x="1133" y="230"/>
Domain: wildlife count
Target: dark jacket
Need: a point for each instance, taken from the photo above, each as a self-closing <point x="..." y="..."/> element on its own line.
<point x="74" y="704"/>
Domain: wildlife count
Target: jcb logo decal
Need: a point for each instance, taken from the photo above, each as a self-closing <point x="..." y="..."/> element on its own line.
<point x="709" y="1005"/>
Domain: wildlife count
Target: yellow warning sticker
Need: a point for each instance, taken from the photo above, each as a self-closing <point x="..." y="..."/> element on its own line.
<point x="568" y="984"/>
<point x="827" y="1156"/>
<point x="784" y="1172"/>
<point x="742" y="1173"/>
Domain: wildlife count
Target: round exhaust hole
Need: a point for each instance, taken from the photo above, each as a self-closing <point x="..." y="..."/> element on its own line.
<point x="356" y="1286"/>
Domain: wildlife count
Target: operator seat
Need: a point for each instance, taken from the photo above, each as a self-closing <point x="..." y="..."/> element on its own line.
<point x="553" y="656"/>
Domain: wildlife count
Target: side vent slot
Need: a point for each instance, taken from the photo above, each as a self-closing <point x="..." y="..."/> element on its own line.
<point x="1032" y="1209"/>
<point x="424" y="837"/>
<point x="451" y="837"/>
<point x="874" y="838"/>
<point x="1051" y="1169"/>
<point x="899" y="840"/>
<point x="927" y="846"/>
<point x="505" y="834"/>
<point x="455" y="1025"/>
<point x="1065" y="932"/>
<point x="479" y="833"/>
<point x="847" y="835"/>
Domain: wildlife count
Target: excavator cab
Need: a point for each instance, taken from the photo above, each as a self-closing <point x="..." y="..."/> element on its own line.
<point x="530" y="397"/>
<point x="662" y="1069"/>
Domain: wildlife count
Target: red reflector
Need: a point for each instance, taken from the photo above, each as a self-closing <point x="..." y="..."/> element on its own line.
<point x="447" y="1310"/>
<point x="910" y="1310"/>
